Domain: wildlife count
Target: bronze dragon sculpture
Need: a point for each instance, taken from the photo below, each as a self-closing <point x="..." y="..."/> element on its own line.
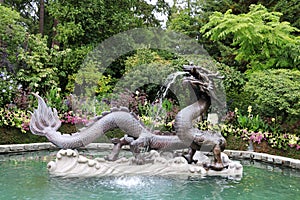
<point x="45" y="122"/>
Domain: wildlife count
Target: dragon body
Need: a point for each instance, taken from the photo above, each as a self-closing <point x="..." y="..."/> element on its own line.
<point x="45" y="122"/>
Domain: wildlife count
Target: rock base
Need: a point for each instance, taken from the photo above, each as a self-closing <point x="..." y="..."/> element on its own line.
<point x="69" y="163"/>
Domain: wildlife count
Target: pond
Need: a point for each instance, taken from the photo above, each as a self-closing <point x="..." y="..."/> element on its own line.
<point x="25" y="176"/>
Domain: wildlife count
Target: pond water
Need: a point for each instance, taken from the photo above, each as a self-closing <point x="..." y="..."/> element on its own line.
<point x="25" y="176"/>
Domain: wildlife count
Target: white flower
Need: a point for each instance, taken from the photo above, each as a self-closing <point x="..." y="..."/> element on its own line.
<point x="10" y="87"/>
<point x="3" y="90"/>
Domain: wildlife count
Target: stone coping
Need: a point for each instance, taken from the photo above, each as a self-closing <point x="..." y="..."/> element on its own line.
<point x="14" y="148"/>
<point x="272" y="159"/>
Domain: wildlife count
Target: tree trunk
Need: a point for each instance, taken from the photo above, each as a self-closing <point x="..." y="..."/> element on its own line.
<point x="1" y="2"/>
<point x="54" y="42"/>
<point x="42" y="14"/>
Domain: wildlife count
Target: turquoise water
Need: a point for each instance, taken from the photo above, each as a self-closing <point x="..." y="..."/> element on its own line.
<point x="25" y="177"/>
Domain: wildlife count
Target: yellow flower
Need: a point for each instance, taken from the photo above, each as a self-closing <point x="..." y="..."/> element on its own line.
<point x="293" y="139"/>
<point x="249" y="109"/>
<point x="236" y="110"/>
<point x="273" y="119"/>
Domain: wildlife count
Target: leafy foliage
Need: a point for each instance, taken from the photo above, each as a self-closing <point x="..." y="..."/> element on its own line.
<point x="182" y="21"/>
<point x="247" y="38"/>
<point x="260" y="40"/>
<point x="249" y="122"/>
<point x="147" y="70"/>
<point x="68" y="63"/>
<point x="87" y="79"/>
<point x="275" y="93"/>
<point x="55" y="100"/>
<point x="38" y="71"/>
<point x="289" y="9"/>
<point x="234" y="82"/>
<point x="80" y="23"/>
<point x="12" y="34"/>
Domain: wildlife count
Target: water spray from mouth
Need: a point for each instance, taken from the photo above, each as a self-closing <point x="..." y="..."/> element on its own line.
<point x="162" y="93"/>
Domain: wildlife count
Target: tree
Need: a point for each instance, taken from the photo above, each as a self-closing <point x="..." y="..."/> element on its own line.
<point x="199" y="13"/>
<point x="182" y="21"/>
<point x="79" y="23"/>
<point x="290" y="10"/>
<point x="12" y="35"/>
<point x="28" y="12"/>
<point x="81" y="27"/>
<point x="258" y="38"/>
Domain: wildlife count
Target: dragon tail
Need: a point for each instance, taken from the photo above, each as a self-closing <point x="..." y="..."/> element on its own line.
<point x="44" y="119"/>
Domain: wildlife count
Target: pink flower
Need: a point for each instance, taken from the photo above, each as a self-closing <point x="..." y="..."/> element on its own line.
<point x="252" y="137"/>
<point x="259" y="138"/>
<point x="256" y="137"/>
<point x="291" y="145"/>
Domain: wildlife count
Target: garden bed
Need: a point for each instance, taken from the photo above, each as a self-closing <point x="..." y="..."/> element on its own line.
<point x="14" y="136"/>
<point x="235" y="143"/>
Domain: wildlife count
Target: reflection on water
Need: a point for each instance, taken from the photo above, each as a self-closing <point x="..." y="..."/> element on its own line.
<point x="26" y="177"/>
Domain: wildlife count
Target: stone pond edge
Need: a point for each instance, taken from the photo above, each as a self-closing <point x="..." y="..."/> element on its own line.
<point x="272" y="159"/>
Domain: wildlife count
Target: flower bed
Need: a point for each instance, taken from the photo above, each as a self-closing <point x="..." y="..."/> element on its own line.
<point x="236" y="143"/>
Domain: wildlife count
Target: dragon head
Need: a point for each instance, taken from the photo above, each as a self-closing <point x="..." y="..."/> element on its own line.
<point x="202" y="81"/>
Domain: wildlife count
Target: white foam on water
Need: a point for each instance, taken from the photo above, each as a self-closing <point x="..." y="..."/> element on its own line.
<point x="129" y="182"/>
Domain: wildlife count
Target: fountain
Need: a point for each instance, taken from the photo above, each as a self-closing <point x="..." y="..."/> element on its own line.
<point x="69" y="163"/>
<point x="24" y="176"/>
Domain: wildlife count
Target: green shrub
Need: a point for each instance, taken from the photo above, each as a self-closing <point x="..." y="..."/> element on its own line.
<point x="233" y="82"/>
<point x="275" y="93"/>
<point x="37" y="70"/>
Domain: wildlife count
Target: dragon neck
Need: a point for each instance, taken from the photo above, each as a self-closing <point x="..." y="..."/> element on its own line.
<point x="183" y="124"/>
